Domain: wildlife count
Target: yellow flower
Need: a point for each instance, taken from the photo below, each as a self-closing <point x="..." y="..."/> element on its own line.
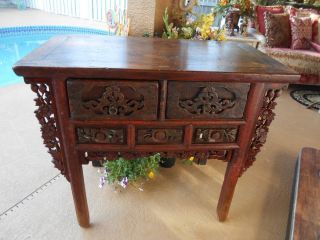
<point x="191" y="158"/>
<point x="223" y="2"/>
<point x="205" y="24"/>
<point x="151" y="174"/>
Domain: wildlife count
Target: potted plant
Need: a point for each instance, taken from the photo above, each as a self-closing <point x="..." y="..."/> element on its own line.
<point x="167" y="162"/>
<point x="122" y="172"/>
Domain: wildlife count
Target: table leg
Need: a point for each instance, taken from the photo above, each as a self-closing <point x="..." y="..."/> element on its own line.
<point x="235" y="166"/>
<point x="79" y="196"/>
<point x="71" y="155"/>
<point x="227" y="190"/>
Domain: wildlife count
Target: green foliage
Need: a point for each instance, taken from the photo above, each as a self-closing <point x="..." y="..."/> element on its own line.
<point x="221" y="9"/>
<point x="271" y="2"/>
<point x="170" y="32"/>
<point x="146" y="34"/>
<point x="187" y="162"/>
<point x="187" y="32"/>
<point x="135" y="170"/>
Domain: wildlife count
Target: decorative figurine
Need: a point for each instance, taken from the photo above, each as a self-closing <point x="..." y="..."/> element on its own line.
<point x="244" y="27"/>
<point x="232" y="19"/>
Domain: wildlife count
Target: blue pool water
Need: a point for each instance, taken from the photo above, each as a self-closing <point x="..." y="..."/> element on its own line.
<point x="16" y="42"/>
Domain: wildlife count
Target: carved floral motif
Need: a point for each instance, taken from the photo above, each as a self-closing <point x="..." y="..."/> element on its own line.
<point x="215" y="135"/>
<point x="262" y="127"/>
<point x="46" y="116"/>
<point x="147" y="136"/>
<point x="114" y="103"/>
<point x="100" y="135"/>
<point x="207" y="102"/>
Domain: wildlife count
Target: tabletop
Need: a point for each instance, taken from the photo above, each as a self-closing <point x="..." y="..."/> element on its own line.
<point x="107" y="54"/>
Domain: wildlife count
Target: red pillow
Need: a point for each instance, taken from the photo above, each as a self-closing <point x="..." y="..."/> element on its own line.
<point x="315" y="18"/>
<point x="292" y="11"/>
<point x="260" y="10"/>
<point x="301" y="32"/>
<point x="315" y="46"/>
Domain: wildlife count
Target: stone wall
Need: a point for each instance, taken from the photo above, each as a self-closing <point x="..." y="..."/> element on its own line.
<point x="141" y="14"/>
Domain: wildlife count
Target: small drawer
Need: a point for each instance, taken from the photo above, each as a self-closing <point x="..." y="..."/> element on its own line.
<point x="206" y="100"/>
<point x="145" y="136"/>
<point x="93" y="135"/>
<point x="217" y="134"/>
<point x="106" y="99"/>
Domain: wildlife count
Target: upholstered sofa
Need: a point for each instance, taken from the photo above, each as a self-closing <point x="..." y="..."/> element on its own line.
<point x="304" y="61"/>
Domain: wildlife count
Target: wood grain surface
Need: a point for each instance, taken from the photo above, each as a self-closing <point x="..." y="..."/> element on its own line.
<point x="176" y="59"/>
<point x="306" y="215"/>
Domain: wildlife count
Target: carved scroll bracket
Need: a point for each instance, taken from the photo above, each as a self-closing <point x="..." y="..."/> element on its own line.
<point x="46" y="116"/>
<point x="262" y="126"/>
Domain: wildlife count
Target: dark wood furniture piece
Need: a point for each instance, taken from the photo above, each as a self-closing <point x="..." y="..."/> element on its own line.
<point x="304" y="220"/>
<point x="99" y="97"/>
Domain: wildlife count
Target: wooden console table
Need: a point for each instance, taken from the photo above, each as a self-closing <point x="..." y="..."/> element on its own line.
<point x="99" y="97"/>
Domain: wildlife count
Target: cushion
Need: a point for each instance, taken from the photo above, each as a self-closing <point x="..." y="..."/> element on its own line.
<point x="260" y="10"/>
<point x="306" y="11"/>
<point x="315" y="46"/>
<point x="315" y="18"/>
<point x="292" y="11"/>
<point x="303" y="13"/>
<point x="300" y="12"/>
<point x="303" y="61"/>
<point x="301" y="32"/>
<point x="278" y="32"/>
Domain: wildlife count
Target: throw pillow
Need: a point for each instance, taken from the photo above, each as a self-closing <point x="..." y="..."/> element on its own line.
<point x="315" y="18"/>
<point x="303" y="13"/>
<point x="301" y="32"/>
<point x="315" y="46"/>
<point x="278" y="33"/>
<point x="292" y="11"/>
<point x="260" y="10"/>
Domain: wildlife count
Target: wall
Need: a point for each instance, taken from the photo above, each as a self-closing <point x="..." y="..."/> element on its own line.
<point x="88" y="9"/>
<point x="141" y="14"/>
<point x="160" y="8"/>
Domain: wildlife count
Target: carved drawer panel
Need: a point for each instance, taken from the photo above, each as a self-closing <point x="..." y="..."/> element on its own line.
<point x="206" y="100"/>
<point x="203" y="135"/>
<point x="159" y="136"/>
<point x="101" y="135"/>
<point x="103" y="99"/>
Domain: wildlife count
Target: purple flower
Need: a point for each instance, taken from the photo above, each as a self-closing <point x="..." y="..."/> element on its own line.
<point x="102" y="181"/>
<point x="124" y="182"/>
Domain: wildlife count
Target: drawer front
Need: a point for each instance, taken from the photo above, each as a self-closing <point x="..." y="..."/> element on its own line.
<point x="101" y="135"/>
<point x="104" y="99"/>
<point x="206" y="100"/>
<point x="145" y="136"/>
<point x="210" y="135"/>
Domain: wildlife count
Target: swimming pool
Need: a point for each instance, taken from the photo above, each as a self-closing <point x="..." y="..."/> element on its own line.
<point x="16" y="42"/>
